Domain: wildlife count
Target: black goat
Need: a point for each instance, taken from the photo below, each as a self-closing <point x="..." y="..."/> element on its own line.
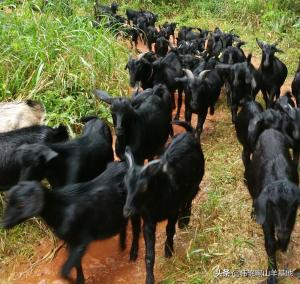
<point x="170" y="30"/>
<point x="162" y="71"/>
<point x="134" y="35"/>
<point x="100" y="10"/>
<point x="151" y="17"/>
<point x="283" y="120"/>
<point x="191" y="47"/>
<point x="165" y="71"/>
<point x="141" y="70"/>
<point x="296" y="85"/>
<point x="77" y="160"/>
<point x="143" y="122"/>
<point x="10" y="168"/>
<point x="271" y="161"/>
<point x="161" y="46"/>
<point x="214" y="44"/>
<point x="276" y="210"/>
<point x="78" y="213"/>
<point x="249" y="110"/>
<point x="132" y="15"/>
<point x="189" y="61"/>
<point x="243" y="80"/>
<point x="272" y="177"/>
<point x="232" y="54"/>
<point x="151" y="36"/>
<point x="164" y="189"/>
<point x="202" y="92"/>
<point x="272" y="71"/>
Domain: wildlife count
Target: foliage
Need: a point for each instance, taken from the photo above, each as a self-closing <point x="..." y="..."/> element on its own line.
<point x="58" y="58"/>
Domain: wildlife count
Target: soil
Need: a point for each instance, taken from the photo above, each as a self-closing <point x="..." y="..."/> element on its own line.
<point x="104" y="262"/>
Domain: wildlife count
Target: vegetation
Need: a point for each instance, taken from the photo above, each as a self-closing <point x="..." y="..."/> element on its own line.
<point x="54" y="55"/>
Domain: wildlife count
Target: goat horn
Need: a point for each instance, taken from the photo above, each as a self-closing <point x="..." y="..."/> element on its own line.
<point x="201" y="76"/>
<point x="189" y="74"/>
<point x="150" y="163"/>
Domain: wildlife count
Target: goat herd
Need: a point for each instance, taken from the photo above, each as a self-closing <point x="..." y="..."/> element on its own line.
<point x="93" y="197"/>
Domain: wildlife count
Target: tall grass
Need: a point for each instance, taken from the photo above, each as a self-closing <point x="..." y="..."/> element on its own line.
<point x="58" y="58"/>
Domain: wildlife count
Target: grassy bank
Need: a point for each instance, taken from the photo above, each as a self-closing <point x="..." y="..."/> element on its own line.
<point x="57" y="57"/>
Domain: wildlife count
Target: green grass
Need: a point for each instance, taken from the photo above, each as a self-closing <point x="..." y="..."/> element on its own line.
<point x="58" y="60"/>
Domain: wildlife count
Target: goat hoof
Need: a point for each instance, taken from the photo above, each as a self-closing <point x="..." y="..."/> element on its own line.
<point x="183" y="223"/>
<point x="252" y="215"/>
<point x="272" y="280"/>
<point x="133" y="256"/>
<point x="65" y="275"/>
<point x="79" y="281"/>
<point x="168" y="252"/>
<point x="150" y="280"/>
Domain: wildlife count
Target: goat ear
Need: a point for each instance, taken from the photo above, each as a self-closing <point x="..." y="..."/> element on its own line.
<point x="260" y="207"/>
<point x="103" y="96"/>
<point x="260" y="43"/>
<point x="254" y="129"/>
<point x="129" y="157"/>
<point x="182" y="79"/>
<point x="278" y="50"/>
<point x="148" y="168"/>
<point x="86" y="119"/>
<point x="49" y="154"/>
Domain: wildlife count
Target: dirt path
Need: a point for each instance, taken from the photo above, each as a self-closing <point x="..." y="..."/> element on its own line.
<point x="104" y="262"/>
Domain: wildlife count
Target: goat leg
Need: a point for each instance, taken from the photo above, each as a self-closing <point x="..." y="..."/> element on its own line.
<point x="228" y="93"/>
<point x="246" y="156"/>
<point x="270" y="246"/>
<point x="266" y="99"/>
<point x="184" y="215"/>
<point x="80" y="276"/>
<point x="173" y="101"/>
<point x="170" y="231"/>
<point x="201" y="119"/>
<point x="149" y="237"/>
<point x="234" y="112"/>
<point x="136" y="230"/>
<point x="74" y="260"/>
<point x="179" y="103"/>
<point x="123" y="235"/>
<point x="188" y="111"/>
<point x="272" y="96"/>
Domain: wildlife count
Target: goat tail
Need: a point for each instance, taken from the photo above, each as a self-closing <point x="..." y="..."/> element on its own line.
<point x="185" y="125"/>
